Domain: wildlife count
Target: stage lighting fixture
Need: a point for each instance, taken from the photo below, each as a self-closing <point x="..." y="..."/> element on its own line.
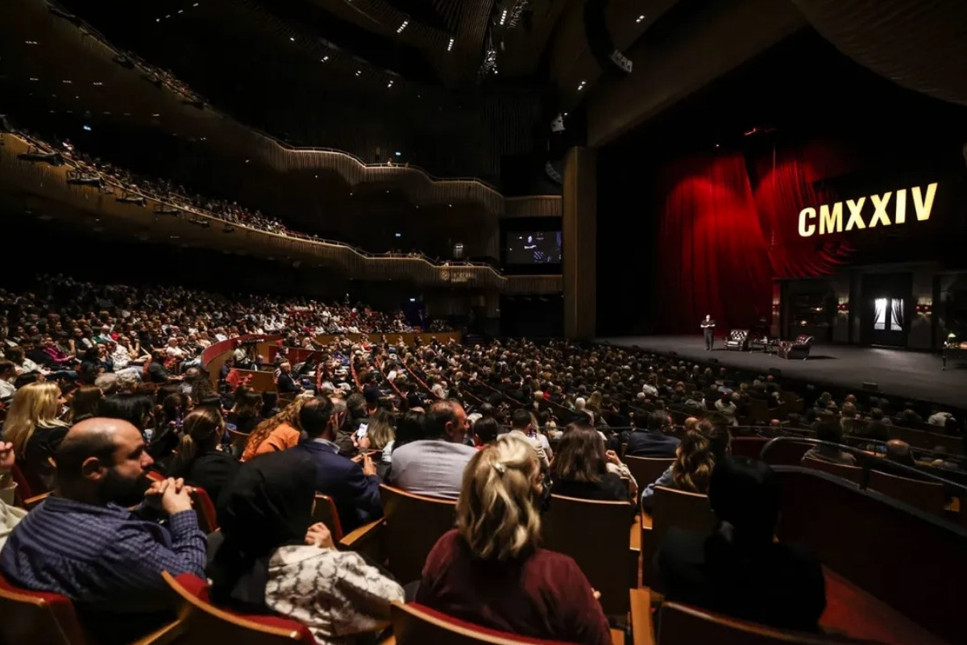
<point x="450" y="46"/>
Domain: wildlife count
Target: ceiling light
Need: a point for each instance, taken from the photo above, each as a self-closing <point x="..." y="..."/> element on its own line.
<point x="503" y="17"/>
<point x="402" y="26"/>
<point x="640" y="19"/>
<point x="398" y="153"/>
<point x="156" y="115"/>
<point x="450" y="46"/>
<point x="399" y="235"/>
<point x="30" y="42"/>
<point x="98" y="83"/>
<point x="34" y="78"/>
<point x="324" y="59"/>
<point x="86" y="128"/>
<point x="358" y="72"/>
<point x="291" y="39"/>
<point x="390" y="84"/>
<point x="66" y="82"/>
<point x="581" y="85"/>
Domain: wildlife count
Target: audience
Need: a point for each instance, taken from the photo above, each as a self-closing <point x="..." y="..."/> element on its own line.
<point x="490" y="569"/>
<point x="35" y="430"/>
<point x="831" y="430"/>
<point x="289" y="565"/>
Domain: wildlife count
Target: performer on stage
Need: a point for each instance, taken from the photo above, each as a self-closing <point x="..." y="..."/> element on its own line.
<point x="708" y="328"/>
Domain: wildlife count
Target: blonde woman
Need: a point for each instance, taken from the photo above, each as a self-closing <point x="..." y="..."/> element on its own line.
<point x="35" y="431"/>
<point x="491" y="571"/>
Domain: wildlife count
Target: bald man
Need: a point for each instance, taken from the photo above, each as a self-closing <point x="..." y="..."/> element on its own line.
<point x="84" y="543"/>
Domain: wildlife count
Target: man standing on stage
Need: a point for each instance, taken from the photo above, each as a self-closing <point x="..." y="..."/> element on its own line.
<point x="708" y="328"/>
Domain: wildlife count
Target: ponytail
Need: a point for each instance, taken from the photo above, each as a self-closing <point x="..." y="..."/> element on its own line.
<point x="187" y="449"/>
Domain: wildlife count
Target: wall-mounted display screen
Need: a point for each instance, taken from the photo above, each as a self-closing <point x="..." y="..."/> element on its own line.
<point x="532" y="247"/>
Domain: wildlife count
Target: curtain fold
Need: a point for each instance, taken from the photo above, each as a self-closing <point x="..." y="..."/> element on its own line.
<point x="712" y="257"/>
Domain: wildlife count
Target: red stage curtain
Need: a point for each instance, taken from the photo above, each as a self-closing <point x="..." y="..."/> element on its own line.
<point x="712" y="257"/>
<point x="789" y="183"/>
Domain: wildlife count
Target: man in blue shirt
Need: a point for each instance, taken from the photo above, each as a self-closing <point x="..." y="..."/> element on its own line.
<point x="82" y="541"/>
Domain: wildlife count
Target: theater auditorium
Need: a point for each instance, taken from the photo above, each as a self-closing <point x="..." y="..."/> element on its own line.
<point x="507" y="322"/>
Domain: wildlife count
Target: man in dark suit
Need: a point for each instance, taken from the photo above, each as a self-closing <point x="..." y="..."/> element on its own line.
<point x="708" y="329"/>
<point x="354" y="487"/>
<point x="652" y="442"/>
<point x="286" y="383"/>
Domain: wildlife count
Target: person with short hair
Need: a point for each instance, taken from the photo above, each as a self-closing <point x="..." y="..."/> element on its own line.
<point x="490" y="569"/>
<point x="831" y="430"/>
<point x="83" y="542"/>
<point x="354" y="487"/>
<point x="434" y="465"/>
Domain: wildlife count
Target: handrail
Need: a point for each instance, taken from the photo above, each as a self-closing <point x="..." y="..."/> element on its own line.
<point x="865" y="460"/>
<point x="184" y="90"/>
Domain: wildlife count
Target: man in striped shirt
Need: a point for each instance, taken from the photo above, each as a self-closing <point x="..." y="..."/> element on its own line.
<point x="82" y="541"/>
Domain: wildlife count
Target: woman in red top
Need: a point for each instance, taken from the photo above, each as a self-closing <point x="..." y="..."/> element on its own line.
<point x="490" y="570"/>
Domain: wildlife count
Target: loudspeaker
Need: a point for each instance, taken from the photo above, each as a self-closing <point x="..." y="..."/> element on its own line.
<point x="775" y="372"/>
<point x="870" y="386"/>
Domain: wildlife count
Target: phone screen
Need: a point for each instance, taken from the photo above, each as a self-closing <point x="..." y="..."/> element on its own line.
<point x="363" y="429"/>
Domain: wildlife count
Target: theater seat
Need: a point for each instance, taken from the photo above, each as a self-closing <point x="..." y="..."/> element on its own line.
<point x="686" y="625"/>
<point x="205" y="509"/>
<point x="414" y="624"/>
<point x="324" y="510"/>
<point x="201" y="623"/>
<point x="37" y="617"/>
<point x="849" y="473"/>
<point x="413" y="524"/>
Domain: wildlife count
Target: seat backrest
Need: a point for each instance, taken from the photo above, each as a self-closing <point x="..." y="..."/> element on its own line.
<point x="750" y="447"/>
<point x="414" y="523"/>
<point x="672" y="508"/>
<point x="785" y="453"/>
<point x="645" y="470"/>
<point x="205" y="509"/>
<point x="596" y="534"/>
<point x="849" y="473"/>
<point x="804" y="339"/>
<point x="414" y="624"/>
<point x="203" y="624"/>
<point x="685" y="625"/>
<point x="324" y="510"/>
<point x="927" y="496"/>
<point x="37" y="617"/>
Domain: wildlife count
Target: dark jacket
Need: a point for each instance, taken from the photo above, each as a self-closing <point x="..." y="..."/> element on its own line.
<point x="651" y="444"/>
<point x="356" y="496"/>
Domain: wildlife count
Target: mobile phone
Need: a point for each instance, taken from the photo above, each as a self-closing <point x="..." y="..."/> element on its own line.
<point x="363" y="429"/>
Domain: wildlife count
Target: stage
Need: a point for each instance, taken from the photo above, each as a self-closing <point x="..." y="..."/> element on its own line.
<point x="898" y="373"/>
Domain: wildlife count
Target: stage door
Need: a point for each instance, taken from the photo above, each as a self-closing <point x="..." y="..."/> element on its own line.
<point x="888" y="304"/>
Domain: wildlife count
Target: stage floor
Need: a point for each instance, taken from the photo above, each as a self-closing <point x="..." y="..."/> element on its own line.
<point x="897" y="372"/>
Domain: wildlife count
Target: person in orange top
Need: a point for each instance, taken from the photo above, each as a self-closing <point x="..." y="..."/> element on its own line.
<point x="277" y="433"/>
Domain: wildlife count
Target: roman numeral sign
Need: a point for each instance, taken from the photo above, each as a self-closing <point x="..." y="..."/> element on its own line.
<point x="886" y="209"/>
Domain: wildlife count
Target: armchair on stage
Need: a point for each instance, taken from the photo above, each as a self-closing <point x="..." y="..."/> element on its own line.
<point x="798" y="348"/>
<point x="738" y="340"/>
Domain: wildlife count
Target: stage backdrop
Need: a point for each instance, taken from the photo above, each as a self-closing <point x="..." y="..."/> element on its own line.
<point x="732" y="223"/>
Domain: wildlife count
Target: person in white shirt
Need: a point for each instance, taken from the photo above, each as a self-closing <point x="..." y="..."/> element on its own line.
<point x="8" y="373"/>
<point x="522" y="423"/>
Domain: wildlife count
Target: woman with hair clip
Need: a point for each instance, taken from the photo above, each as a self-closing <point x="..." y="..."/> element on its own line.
<point x="491" y="571"/>
<point x="695" y="457"/>
<point x="199" y="461"/>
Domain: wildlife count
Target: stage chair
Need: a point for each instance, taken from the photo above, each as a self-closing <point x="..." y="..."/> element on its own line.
<point x="684" y="625"/>
<point x="927" y="496"/>
<point x="201" y="623"/>
<point x="849" y="473"/>
<point x="324" y="510"/>
<point x="38" y="617"/>
<point x="596" y="535"/>
<point x="645" y="470"/>
<point x="415" y="624"/>
<point x="414" y="523"/>
<point x="799" y="348"/>
<point x="737" y="340"/>
<point x="671" y="507"/>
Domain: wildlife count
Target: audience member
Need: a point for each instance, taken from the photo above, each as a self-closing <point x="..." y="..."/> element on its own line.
<point x="434" y="466"/>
